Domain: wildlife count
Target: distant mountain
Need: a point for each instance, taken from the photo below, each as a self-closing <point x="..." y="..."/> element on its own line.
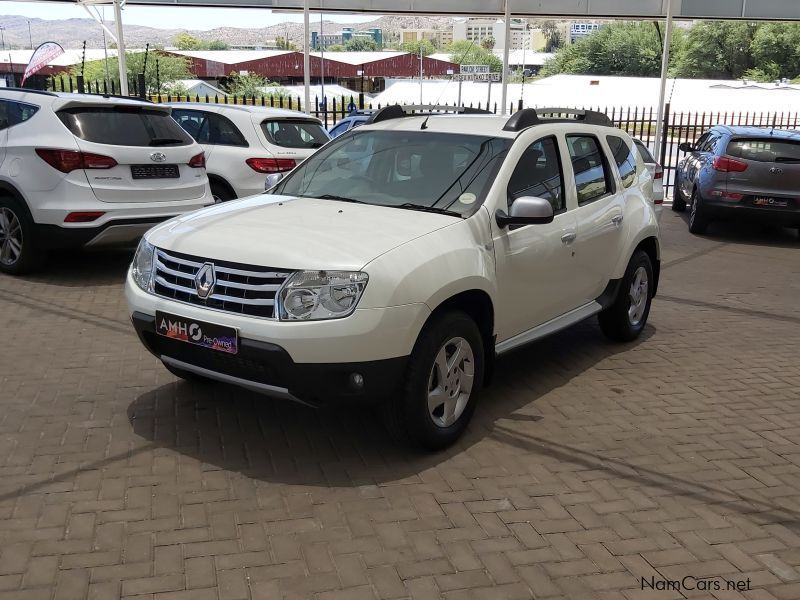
<point x="71" y="33"/>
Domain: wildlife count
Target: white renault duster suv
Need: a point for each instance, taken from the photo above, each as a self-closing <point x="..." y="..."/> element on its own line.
<point x="396" y="263"/>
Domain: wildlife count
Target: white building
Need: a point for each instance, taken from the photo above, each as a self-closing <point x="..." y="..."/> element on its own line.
<point x="478" y="29"/>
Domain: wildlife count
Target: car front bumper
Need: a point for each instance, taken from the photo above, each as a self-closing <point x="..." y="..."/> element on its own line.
<point x="269" y="369"/>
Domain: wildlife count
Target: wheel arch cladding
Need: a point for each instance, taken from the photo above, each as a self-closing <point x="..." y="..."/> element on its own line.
<point x="650" y="247"/>
<point x="479" y="306"/>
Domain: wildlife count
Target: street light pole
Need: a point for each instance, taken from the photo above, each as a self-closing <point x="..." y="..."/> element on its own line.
<point x="3" y="36"/>
<point x="30" y="36"/>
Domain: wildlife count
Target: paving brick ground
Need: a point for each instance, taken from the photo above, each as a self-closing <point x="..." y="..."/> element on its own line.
<point x="588" y="466"/>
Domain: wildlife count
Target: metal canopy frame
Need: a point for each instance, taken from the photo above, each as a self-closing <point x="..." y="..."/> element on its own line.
<point x="668" y="10"/>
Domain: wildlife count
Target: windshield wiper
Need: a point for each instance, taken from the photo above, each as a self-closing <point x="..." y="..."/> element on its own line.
<point x="423" y="208"/>
<point x="165" y="141"/>
<point x="335" y="197"/>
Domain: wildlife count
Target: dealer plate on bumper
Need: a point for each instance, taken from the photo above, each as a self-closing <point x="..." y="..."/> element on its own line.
<point x="199" y="333"/>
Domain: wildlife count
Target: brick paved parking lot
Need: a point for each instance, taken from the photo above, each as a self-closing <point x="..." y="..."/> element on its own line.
<point x="590" y="469"/>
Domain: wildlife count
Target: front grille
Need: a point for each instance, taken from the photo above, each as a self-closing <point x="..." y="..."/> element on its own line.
<point x="241" y="289"/>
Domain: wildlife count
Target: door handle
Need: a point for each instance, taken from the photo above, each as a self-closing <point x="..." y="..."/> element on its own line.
<point x="617" y="219"/>
<point x="568" y="237"/>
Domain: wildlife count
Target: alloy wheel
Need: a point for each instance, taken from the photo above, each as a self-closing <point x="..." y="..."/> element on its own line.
<point x="638" y="296"/>
<point x="450" y="381"/>
<point x="10" y="237"/>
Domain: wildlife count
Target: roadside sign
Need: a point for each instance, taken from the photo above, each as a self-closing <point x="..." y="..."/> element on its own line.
<point x="477" y="77"/>
<point x="469" y="69"/>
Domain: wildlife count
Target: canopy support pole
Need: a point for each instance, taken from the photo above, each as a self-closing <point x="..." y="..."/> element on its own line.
<point x="506" y="45"/>
<point x="662" y="90"/>
<point x="121" y="59"/>
<point x="306" y="57"/>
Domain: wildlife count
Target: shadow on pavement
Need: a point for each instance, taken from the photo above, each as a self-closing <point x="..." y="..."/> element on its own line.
<point x="284" y="442"/>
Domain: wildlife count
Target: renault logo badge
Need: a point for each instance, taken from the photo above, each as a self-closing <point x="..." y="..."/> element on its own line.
<point x="158" y="157"/>
<point x="205" y="280"/>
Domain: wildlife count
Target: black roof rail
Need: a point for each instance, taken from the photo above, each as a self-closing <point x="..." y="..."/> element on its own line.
<point x="396" y="111"/>
<point x="528" y="117"/>
<point x="28" y="91"/>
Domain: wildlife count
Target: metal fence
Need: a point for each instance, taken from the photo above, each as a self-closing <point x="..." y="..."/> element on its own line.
<point x="639" y="122"/>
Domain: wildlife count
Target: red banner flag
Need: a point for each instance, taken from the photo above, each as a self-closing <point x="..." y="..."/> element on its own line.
<point x="42" y="57"/>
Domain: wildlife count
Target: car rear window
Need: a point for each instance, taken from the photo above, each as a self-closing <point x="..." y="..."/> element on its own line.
<point x="765" y="150"/>
<point x="644" y="151"/>
<point x="294" y="133"/>
<point x="124" y="126"/>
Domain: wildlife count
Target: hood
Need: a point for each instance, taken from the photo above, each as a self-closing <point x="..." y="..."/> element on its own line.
<point x="295" y="233"/>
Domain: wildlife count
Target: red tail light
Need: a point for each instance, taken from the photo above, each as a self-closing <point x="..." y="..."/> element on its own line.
<point x="67" y="161"/>
<point x="728" y="165"/>
<point x="659" y="174"/>
<point x="271" y="165"/>
<point x="83" y="217"/>
<point x="198" y="161"/>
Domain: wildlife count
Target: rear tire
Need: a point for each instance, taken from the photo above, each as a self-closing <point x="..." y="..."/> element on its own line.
<point x="698" y="221"/>
<point x="221" y="192"/>
<point x="443" y="378"/>
<point x="20" y="251"/>
<point x="624" y="320"/>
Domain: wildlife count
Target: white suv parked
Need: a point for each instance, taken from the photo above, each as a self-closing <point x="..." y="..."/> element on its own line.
<point x="81" y="170"/>
<point x="244" y="144"/>
<point x="398" y="261"/>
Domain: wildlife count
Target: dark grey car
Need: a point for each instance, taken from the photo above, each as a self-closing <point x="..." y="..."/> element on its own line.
<point x="745" y="172"/>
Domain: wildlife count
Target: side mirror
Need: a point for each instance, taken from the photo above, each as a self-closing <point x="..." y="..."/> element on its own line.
<point x="685" y="147"/>
<point x="528" y="210"/>
<point x="273" y="179"/>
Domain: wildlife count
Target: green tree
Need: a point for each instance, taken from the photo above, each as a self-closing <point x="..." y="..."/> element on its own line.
<point x="464" y="52"/>
<point x="776" y="50"/>
<point x="217" y="45"/>
<point x="283" y="43"/>
<point x="361" y="43"/>
<point x="632" y="49"/>
<point x="718" y="50"/>
<point x="335" y="48"/>
<point x="184" y="41"/>
<point x="252" y="85"/>
<point x="552" y="36"/>
<point x="171" y="68"/>
<point x="414" y="47"/>
<point x="488" y="43"/>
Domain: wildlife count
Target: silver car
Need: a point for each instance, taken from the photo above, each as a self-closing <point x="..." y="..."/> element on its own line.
<point x="745" y="172"/>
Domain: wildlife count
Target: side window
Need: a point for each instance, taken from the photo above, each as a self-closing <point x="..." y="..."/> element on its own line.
<point x="698" y="145"/>
<point x="708" y="143"/>
<point x="222" y="132"/>
<point x="624" y="157"/>
<point x="592" y="174"/>
<point x="538" y="173"/>
<point x="340" y="128"/>
<point x="14" y="113"/>
<point x="193" y="122"/>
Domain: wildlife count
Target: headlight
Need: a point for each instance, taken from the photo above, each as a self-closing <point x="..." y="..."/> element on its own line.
<point x="142" y="266"/>
<point x="314" y="295"/>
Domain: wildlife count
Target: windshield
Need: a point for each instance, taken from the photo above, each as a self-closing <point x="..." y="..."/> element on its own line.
<point x="407" y="169"/>
<point x="124" y="126"/>
<point x="295" y="133"/>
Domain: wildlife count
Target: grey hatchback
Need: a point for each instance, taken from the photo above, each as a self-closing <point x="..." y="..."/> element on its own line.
<point x="744" y="172"/>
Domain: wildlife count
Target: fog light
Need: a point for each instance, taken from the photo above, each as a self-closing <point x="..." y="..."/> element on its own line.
<point x="357" y="380"/>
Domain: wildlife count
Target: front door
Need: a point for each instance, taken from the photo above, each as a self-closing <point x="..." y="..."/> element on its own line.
<point x="536" y="277"/>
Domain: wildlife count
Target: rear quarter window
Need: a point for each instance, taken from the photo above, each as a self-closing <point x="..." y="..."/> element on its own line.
<point x="765" y="150"/>
<point x="124" y="126"/>
<point x="294" y="133"/>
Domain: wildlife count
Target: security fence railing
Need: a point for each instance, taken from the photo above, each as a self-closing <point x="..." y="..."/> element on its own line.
<point x="639" y="122"/>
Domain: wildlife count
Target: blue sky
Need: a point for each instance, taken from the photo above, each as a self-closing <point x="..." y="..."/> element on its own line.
<point x="169" y="17"/>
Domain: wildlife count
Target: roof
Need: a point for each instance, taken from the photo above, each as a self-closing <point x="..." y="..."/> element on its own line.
<point x="766" y="132"/>
<point x="359" y="58"/>
<point x="257" y="110"/>
<point x="684" y="95"/>
<point x="189" y="84"/>
<point x="230" y="57"/>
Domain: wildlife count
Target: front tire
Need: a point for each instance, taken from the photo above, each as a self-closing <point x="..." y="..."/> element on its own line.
<point x="445" y="373"/>
<point x="624" y="320"/>
<point x="698" y="221"/>
<point x="20" y="252"/>
<point x="678" y="202"/>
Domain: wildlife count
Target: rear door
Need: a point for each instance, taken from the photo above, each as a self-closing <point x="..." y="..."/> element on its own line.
<point x="151" y="151"/>
<point x="771" y="171"/>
